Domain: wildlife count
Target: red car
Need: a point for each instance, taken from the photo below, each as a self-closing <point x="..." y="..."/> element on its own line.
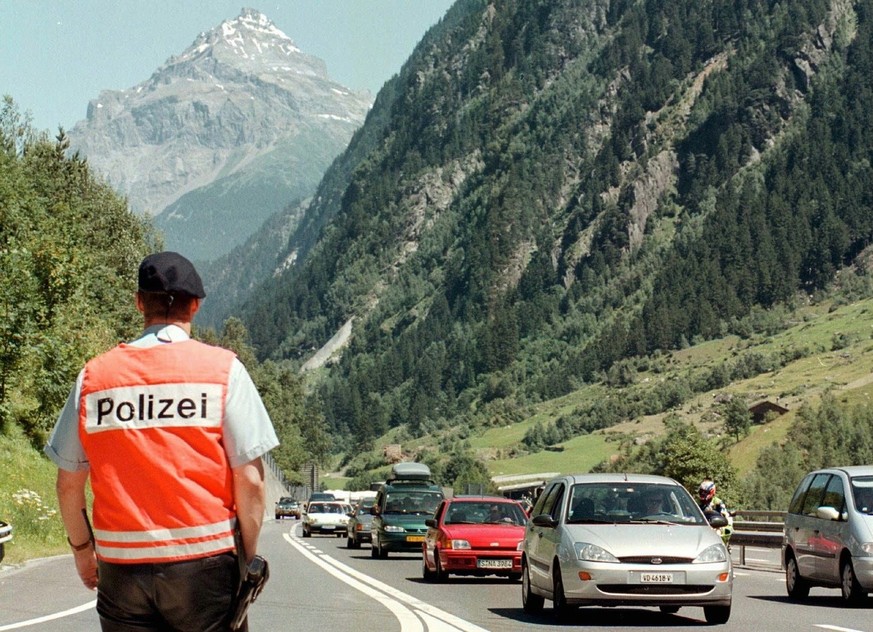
<point x="474" y="535"/>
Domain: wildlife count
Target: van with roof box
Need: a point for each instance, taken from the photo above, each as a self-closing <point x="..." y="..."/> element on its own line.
<point x="407" y="498"/>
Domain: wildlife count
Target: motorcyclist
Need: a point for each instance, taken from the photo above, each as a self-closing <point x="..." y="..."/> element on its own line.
<point x="710" y="503"/>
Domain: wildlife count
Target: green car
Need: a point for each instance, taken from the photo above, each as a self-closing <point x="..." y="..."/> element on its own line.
<point x="403" y="503"/>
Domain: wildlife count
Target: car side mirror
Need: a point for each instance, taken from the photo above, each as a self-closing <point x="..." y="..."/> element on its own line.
<point x="374" y="510"/>
<point x="545" y="520"/>
<point x="827" y="513"/>
<point x="716" y="520"/>
<point x="431" y="522"/>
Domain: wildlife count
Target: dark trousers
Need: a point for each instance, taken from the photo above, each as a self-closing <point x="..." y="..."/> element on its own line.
<point x="190" y="596"/>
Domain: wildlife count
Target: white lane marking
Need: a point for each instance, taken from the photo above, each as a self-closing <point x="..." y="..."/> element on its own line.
<point x="408" y="621"/>
<point x="835" y="628"/>
<point x="436" y="625"/>
<point x="424" y="608"/>
<point x="48" y="617"/>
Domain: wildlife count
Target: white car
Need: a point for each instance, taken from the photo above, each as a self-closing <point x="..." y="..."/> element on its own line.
<point x="5" y="536"/>
<point x="624" y="540"/>
<point x="325" y="517"/>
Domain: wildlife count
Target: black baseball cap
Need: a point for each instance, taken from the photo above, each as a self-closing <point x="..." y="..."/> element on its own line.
<point x="169" y="273"/>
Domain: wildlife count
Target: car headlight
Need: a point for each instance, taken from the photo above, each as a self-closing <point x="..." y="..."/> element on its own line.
<point x="390" y="528"/>
<point x="458" y="545"/>
<point x="714" y="553"/>
<point x="867" y="547"/>
<point x="593" y="553"/>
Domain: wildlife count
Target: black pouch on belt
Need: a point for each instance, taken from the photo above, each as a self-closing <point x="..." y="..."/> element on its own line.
<point x="252" y="583"/>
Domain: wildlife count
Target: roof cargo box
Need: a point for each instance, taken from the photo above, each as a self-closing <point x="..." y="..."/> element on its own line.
<point x="409" y="472"/>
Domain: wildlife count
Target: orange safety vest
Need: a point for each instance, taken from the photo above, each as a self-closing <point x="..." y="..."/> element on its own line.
<point x="150" y="421"/>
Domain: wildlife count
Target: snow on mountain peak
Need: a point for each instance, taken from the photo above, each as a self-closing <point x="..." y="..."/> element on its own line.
<point x="254" y="27"/>
<point x="251" y="38"/>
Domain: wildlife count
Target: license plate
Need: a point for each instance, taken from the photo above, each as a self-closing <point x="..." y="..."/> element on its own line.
<point x="328" y="527"/>
<point x="656" y="578"/>
<point x="486" y="563"/>
<point x="415" y="538"/>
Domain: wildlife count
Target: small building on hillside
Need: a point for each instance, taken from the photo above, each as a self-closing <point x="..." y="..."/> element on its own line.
<point x="761" y="410"/>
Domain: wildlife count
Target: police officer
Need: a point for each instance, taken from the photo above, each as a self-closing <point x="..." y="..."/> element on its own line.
<point x="171" y="432"/>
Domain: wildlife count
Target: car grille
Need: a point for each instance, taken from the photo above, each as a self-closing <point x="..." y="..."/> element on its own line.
<point x="647" y="559"/>
<point x="635" y="589"/>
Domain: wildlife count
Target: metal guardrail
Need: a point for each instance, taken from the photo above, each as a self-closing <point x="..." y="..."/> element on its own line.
<point x="757" y="528"/>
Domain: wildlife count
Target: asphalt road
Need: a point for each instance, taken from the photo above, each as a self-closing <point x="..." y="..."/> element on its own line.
<point x="318" y="584"/>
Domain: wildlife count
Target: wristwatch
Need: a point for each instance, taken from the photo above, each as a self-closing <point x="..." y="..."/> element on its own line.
<point x="78" y="547"/>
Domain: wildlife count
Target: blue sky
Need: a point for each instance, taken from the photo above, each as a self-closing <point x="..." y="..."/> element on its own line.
<point x="56" y="55"/>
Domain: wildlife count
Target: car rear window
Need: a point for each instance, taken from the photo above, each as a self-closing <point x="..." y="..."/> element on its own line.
<point x="412" y="501"/>
<point x="485" y="512"/>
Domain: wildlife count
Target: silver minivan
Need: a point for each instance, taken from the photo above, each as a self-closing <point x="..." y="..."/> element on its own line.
<point x="829" y="533"/>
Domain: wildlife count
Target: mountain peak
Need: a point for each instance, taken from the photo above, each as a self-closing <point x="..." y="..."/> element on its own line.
<point x="252" y="42"/>
<point x="222" y="135"/>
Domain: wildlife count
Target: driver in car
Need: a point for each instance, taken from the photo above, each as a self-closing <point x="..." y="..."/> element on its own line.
<point x="653" y="504"/>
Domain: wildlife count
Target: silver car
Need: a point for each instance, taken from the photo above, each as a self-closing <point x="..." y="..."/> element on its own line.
<point x="829" y="533"/>
<point x="624" y="539"/>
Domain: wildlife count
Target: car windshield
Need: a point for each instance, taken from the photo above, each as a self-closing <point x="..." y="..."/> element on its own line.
<point x="412" y="502"/>
<point x="632" y="502"/>
<point x="326" y="508"/>
<point x="363" y="509"/>
<point x="862" y="490"/>
<point x="484" y="513"/>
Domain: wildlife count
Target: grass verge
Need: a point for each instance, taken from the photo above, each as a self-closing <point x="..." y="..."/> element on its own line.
<point x="28" y="501"/>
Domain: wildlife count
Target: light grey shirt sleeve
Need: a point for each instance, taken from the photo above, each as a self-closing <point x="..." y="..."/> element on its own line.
<point x="248" y="430"/>
<point x="64" y="446"/>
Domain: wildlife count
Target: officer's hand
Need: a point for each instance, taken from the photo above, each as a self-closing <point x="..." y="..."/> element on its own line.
<point x="86" y="566"/>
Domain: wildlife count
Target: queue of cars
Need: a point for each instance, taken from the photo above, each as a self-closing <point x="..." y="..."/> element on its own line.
<point x="613" y="539"/>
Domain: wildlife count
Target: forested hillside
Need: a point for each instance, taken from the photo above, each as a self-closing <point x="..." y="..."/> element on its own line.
<point x="549" y="188"/>
<point x="69" y="249"/>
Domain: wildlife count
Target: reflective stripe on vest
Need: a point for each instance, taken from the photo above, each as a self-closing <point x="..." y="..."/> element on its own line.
<point x="186" y="543"/>
<point x="150" y="421"/>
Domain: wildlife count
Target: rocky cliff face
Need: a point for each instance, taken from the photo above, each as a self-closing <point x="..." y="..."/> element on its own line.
<point x="222" y="136"/>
